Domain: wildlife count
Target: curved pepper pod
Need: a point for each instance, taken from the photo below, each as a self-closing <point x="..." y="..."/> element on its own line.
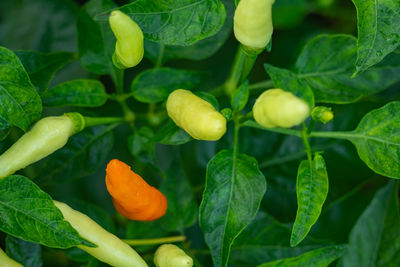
<point x="7" y="261"/>
<point x="169" y="255"/>
<point x="132" y="196"/>
<point x="46" y="136"/>
<point x="195" y="115"/>
<point x="110" y="249"/>
<point x="253" y="23"/>
<point x="277" y="108"/>
<point x="129" y="46"/>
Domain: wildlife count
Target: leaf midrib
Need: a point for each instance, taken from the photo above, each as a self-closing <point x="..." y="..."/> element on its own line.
<point x="233" y="175"/>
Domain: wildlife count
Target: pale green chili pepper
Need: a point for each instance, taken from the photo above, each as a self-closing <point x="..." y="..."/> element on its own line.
<point x="46" y="136"/>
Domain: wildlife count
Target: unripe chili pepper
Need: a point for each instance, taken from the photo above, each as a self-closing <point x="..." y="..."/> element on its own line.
<point x="132" y="196"/>
<point x="195" y="115"/>
<point x="46" y="136"/>
<point x="169" y="255"/>
<point x="129" y="46"/>
<point x="277" y="108"/>
<point x="253" y="23"/>
<point x="322" y="114"/>
<point x="110" y="249"/>
<point x="7" y="261"/>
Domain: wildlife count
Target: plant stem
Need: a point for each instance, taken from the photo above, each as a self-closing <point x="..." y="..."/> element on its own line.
<point x="336" y="135"/>
<point x="129" y="115"/>
<point x="155" y="241"/>
<point x="304" y="137"/>
<point x="261" y="85"/>
<point x="160" y="57"/>
<point x="242" y="65"/>
<point x="119" y="81"/>
<point x="236" y="72"/>
<point x="235" y="144"/>
<point x="93" y="121"/>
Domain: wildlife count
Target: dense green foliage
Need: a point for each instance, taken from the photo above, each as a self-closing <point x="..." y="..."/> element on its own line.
<point x="312" y="195"/>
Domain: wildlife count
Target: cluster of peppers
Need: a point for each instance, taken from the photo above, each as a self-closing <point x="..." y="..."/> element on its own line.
<point x="132" y="196"/>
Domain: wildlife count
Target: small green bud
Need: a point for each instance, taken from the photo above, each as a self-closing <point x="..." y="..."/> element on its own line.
<point x="227" y="113"/>
<point x="322" y="114"/>
<point x="129" y="46"/>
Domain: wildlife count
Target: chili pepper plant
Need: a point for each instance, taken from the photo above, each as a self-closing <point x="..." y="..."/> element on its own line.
<point x="245" y="133"/>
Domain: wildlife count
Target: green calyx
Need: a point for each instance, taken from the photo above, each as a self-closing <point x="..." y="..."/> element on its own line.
<point x="251" y="51"/>
<point x="78" y="120"/>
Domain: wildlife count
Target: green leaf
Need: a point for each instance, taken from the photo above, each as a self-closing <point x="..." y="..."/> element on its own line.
<point x="321" y="257"/>
<point x="177" y="22"/>
<point x="79" y="93"/>
<point x="377" y="139"/>
<point x="288" y="81"/>
<point x="265" y="239"/>
<point x="96" y="42"/>
<point x="29" y="213"/>
<point x="326" y="65"/>
<point x="44" y="25"/>
<point x="240" y="97"/>
<point x="84" y="154"/>
<point x="141" y="144"/>
<point x="154" y="85"/>
<point x="312" y="190"/>
<point x="5" y="128"/>
<point x="198" y="51"/>
<point x="41" y="67"/>
<point x="378" y="31"/>
<point x="375" y="238"/>
<point x="170" y="134"/>
<point x="182" y="208"/>
<point x="234" y="190"/>
<point x="27" y="253"/>
<point x="20" y="104"/>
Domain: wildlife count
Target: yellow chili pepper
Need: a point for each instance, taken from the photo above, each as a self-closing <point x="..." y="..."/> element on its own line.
<point x="277" y="108"/>
<point x="253" y="23"/>
<point x="195" y="115"/>
<point x="169" y="255"/>
<point x="110" y="249"/>
<point x="46" y="136"/>
<point x="129" y="47"/>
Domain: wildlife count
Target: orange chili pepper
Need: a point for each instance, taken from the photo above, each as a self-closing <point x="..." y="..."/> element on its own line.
<point x="132" y="196"/>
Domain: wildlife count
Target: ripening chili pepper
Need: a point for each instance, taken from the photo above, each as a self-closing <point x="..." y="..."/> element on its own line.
<point x="129" y="46"/>
<point x="169" y="255"/>
<point x="278" y="108"/>
<point x="110" y="249"/>
<point x="46" y="136"/>
<point x="195" y="115"/>
<point x="132" y="196"/>
<point x="7" y="261"/>
<point x="253" y="23"/>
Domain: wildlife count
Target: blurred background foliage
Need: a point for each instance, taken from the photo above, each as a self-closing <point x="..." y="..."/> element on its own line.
<point x="50" y="25"/>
